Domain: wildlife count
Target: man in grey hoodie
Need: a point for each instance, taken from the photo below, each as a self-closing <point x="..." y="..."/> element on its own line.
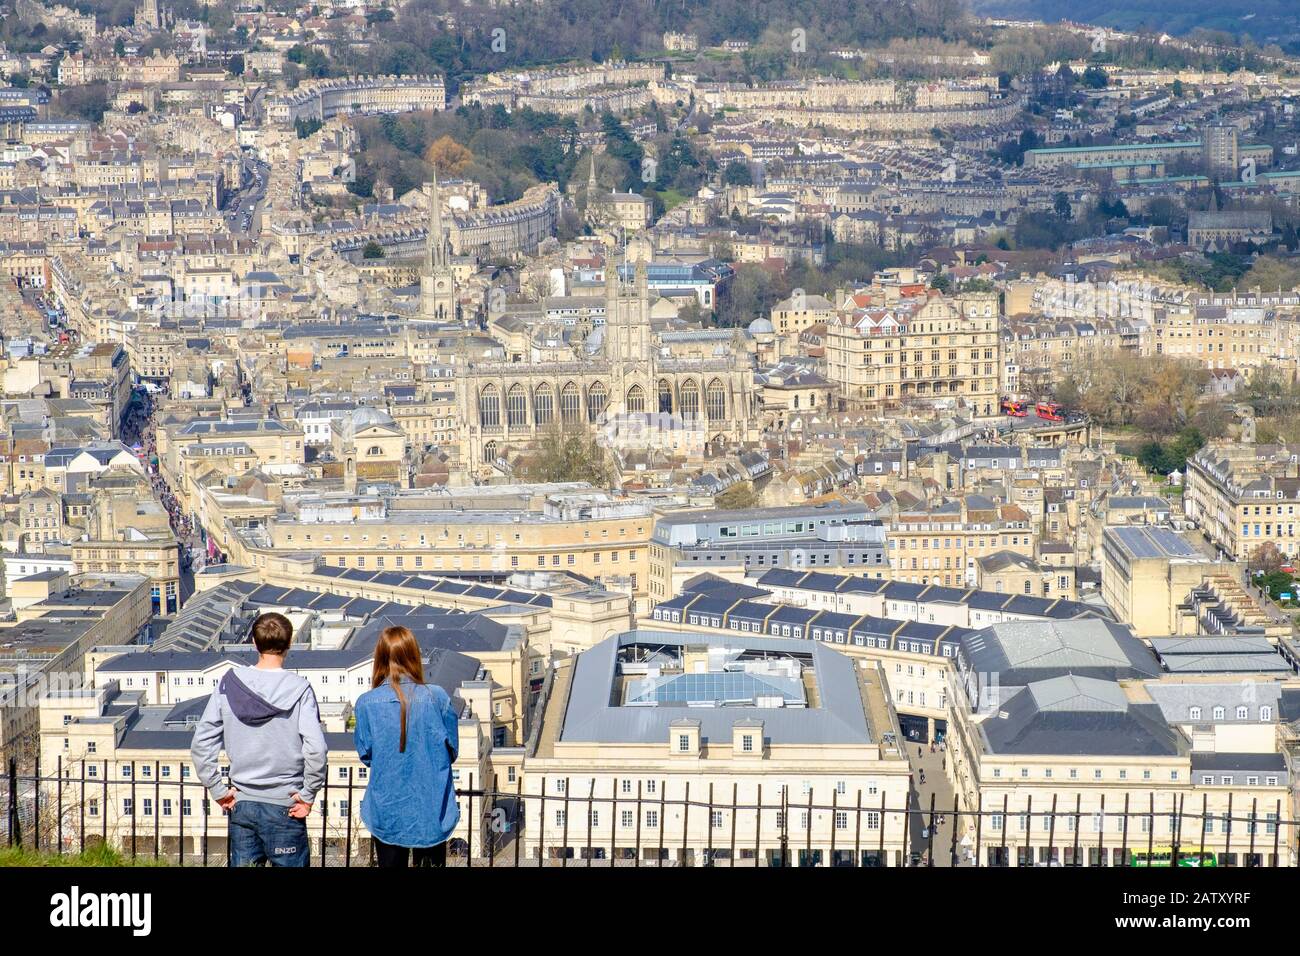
<point x="266" y="720"/>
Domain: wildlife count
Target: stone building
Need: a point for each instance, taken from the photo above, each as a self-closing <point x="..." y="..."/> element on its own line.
<point x="622" y="368"/>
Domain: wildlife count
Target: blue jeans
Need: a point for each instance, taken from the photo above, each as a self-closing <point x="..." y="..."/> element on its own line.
<point x="263" y="832"/>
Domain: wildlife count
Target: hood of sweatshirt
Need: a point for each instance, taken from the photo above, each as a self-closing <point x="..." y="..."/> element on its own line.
<point x="256" y="696"/>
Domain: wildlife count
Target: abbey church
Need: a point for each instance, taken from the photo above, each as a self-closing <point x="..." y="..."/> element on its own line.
<point x="696" y="378"/>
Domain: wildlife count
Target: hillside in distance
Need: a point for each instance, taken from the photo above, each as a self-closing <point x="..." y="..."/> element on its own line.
<point x="1264" y="21"/>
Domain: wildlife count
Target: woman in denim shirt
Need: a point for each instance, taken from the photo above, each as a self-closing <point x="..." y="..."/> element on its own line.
<point x="406" y="733"/>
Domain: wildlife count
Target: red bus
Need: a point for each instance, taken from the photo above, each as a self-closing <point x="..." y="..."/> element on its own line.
<point x="1013" y="406"/>
<point x="1050" y="411"/>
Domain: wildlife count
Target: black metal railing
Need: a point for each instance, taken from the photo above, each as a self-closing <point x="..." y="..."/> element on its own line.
<point x="145" y="813"/>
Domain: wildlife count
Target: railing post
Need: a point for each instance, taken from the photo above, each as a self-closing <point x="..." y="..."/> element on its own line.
<point x="952" y="849"/>
<point x="785" y="825"/>
<point x="1051" y="832"/>
<point x="857" y="833"/>
<point x="203" y="808"/>
<point x="613" y="825"/>
<point x="1205" y="804"/>
<point x="1254" y="805"/>
<point x="835" y="799"/>
<point x="347" y="848"/>
<point x="1227" y="839"/>
<point x="1029" y="829"/>
<point x="469" y="826"/>
<point x="325" y="819"/>
<point x="1078" y="806"/>
<point x="1123" y="846"/>
<point x="489" y="808"/>
<point x="929" y="831"/>
<point x="591" y="812"/>
<point x="12" y="812"/>
<point x="81" y="803"/>
<point x="1006" y="822"/>
<point x="541" y="828"/>
<point x="135" y="813"/>
<point x="735" y="792"/>
<point x="686" y="818"/>
<point x="58" y="834"/>
<point x="36" y="804"/>
<point x="884" y="819"/>
<point x="663" y="819"/>
<point x="1151" y="828"/>
<point x="520" y="811"/>
<point x="1178" y="830"/>
<point x="907" y="819"/>
<point x="708" y="829"/>
<point x="809" y="828"/>
<point x="637" y="862"/>
<point x="564" y="836"/>
<point x="157" y="806"/>
<point x="1101" y="831"/>
<point x="1277" y="830"/>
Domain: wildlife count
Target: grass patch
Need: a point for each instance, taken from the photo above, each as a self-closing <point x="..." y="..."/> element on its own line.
<point x="671" y="198"/>
<point x="97" y="856"/>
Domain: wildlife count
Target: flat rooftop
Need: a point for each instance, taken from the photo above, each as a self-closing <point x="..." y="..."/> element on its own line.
<point x="1141" y="543"/>
<point x="823" y="700"/>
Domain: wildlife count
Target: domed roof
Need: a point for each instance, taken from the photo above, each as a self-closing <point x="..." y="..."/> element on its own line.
<point x="761" y="326"/>
<point x="365" y="416"/>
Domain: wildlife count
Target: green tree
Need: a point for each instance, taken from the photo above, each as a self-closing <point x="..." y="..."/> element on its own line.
<point x="373" y="250"/>
<point x="88" y="102"/>
<point x="1061" y="206"/>
<point x="737" y="174"/>
<point x="568" y="453"/>
<point x="1095" y="78"/>
<point x="738" y="496"/>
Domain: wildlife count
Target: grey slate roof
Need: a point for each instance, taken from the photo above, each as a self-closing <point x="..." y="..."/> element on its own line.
<point x="1021" y="652"/>
<point x="1084" y="716"/>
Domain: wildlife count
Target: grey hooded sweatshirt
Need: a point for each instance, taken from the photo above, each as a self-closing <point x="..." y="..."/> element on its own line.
<point x="268" y="724"/>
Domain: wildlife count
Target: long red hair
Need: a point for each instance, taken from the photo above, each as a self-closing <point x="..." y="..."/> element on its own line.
<point x="397" y="655"/>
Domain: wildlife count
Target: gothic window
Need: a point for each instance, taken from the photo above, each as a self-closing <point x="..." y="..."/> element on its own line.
<point x="596" y="399"/>
<point x="716" y="401"/>
<point x="543" y="405"/>
<point x="665" y="396"/>
<point x="635" y="399"/>
<point x="490" y="452"/>
<point x="489" y="407"/>
<point x="690" y="400"/>
<point x="570" y="404"/>
<point x="516" y="406"/>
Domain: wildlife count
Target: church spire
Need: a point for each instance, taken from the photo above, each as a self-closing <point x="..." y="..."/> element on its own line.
<point x="436" y="255"/>
<point x="437" y="279"/>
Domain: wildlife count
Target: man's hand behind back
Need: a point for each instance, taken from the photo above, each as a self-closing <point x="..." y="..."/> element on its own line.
<point x="300" y="808"/>
<point x="228" y="801"/>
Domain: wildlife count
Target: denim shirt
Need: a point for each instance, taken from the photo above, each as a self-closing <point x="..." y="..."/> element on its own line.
<point x="410" y="799"/>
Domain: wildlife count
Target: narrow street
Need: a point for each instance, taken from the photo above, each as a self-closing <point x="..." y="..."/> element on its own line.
<point x="930" y="779"/>
<point x="138" y="431"/>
